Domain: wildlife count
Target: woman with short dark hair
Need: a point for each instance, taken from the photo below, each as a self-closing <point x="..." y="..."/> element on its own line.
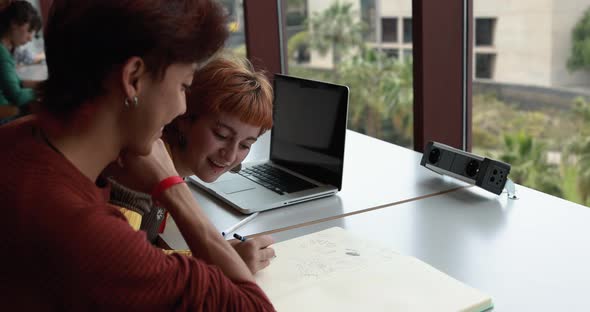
<point x="71" y="250"/>
<point x="18" y="22"/>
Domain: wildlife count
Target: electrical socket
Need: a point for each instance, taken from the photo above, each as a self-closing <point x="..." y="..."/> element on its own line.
<point x="484" y="172"/>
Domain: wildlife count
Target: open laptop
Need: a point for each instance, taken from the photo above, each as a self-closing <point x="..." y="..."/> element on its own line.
<point x="306" y="150"/>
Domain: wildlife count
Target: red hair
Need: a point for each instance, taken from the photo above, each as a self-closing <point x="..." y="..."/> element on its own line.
<point x="232" y="86"/>
<point x="226" y="85"/>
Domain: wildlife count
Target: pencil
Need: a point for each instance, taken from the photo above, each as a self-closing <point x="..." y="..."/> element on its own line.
<point x="239" y="237"/>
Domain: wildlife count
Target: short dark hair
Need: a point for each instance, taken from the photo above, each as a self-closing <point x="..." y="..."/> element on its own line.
<point x="19" y="13"/>
<point x="86" y="40"/>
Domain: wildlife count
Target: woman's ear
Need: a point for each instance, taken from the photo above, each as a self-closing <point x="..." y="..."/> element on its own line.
<point x="131" y="75"/>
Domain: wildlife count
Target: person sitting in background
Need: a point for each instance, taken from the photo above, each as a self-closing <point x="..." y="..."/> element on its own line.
<point x="228" y="107"/>
<point x="18" y="21"/>
<point x="24" y="56"/>
<point x="70" y="250"/>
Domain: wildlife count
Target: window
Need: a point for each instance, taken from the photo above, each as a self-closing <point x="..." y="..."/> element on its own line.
<point x="532" y="108"/>
<point x="408" y="54"/>
<point x="296" y="12"/>
<point x="391" y="53"/>
<point x="368" y="17"/>
<point x="407" y="30"/>
<point x="484" y="65"/>
<point x="484" y="31"/>
<point x="389" y="29"/>
<point x="235" y="24"/>
<point x="346" y="52"/>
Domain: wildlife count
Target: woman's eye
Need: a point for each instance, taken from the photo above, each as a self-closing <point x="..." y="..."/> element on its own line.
<point x="244" y="146"/>
<point x="220" y="136"/>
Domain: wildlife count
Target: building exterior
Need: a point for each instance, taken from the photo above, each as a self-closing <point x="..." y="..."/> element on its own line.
<point x="523" y="42"/>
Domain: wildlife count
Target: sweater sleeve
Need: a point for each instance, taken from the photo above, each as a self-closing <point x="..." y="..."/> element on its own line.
<point x="10" y="85"/>
<point x="125" y="197"/>
<point x="152" y="216"/>
<point x="120" y="270"/>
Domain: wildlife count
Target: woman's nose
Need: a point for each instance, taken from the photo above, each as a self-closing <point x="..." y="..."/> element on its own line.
<point x="229" y="153"/>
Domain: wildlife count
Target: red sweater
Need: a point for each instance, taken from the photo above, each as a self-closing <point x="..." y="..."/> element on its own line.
<point x="64" y="248"/>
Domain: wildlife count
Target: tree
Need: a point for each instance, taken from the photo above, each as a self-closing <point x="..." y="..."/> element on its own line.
<point x="580" y="54"/>
<point x="297" y="46"/>
<point x="336" y="29"/>
<point x="383" y="95"/>
<point x="579" y="147"/>
<point x="529" y="165"/>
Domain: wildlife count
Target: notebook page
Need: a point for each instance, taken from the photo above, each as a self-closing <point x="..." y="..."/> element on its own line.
<point x="333" y="269"/>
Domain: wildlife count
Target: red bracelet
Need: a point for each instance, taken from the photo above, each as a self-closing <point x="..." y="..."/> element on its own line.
<point x="164" y="185"/>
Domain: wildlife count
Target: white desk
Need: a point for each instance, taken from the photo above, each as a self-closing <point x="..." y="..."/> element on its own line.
<point x="376" y="173"/>
<point x="36" y="72"/>
<point x="530" y="254"/>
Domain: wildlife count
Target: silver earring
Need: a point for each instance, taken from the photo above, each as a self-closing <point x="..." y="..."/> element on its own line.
<point x="135" y="101"/>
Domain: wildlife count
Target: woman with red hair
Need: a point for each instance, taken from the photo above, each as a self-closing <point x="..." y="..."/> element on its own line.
<point x="70" y="250"/>
<point x="229" y="105"/>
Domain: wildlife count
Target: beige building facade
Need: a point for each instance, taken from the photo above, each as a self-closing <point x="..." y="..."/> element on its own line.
<point x="523" y="42"/>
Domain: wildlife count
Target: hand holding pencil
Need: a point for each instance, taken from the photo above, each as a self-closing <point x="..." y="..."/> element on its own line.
<point x="255" y="251"/>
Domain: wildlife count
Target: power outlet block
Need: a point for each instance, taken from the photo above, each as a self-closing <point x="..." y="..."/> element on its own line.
<point x="489" y="174"/>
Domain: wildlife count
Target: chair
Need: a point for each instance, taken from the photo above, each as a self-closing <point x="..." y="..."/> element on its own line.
<point x="7" y="111"/>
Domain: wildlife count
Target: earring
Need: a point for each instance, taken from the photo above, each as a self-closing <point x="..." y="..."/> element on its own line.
<point x="135" y="101"/>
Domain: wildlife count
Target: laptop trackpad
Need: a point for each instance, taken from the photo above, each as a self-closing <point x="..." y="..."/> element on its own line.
<point x="235" y="185"/>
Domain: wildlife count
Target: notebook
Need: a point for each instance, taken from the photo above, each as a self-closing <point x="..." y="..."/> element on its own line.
<point x="333" y="270"/>
<point x="306" y="150"/>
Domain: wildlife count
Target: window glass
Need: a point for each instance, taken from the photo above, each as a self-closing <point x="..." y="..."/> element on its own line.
<point x="407" y="29"/>
<point x="389" y="26"/>
<point x="237" y="39"/>
<point x="484" y="31"/>
<point x="357" y="43"/>
<point x="531" y="92"/>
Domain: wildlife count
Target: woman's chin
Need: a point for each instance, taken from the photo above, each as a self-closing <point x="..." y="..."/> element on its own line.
<point x="208" y="178"/>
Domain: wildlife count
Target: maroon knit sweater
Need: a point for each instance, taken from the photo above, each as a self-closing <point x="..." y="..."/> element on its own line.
<point x="63" y="247"/>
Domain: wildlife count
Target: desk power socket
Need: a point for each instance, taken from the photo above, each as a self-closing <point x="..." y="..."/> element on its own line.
<point x="489" y="174"/>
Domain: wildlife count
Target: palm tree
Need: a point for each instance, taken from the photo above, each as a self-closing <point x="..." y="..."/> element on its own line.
<point x="382" y="94"/>
<point x="336" y="29"/>
<point x="529" y="164"/>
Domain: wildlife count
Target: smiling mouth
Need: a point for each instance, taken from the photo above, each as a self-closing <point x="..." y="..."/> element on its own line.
<point x="218" y="164"/>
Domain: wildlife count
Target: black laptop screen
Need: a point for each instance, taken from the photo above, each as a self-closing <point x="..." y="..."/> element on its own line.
<point x="309" y="128"/>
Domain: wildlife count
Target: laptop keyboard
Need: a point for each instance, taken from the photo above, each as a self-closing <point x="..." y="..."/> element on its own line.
<point x="275" y="179"/>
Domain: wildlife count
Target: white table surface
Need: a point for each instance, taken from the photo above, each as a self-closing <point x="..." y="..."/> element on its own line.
<point x="530" y="254"/>
<point x="36" y="72"/>
<point x="376" y="173"/>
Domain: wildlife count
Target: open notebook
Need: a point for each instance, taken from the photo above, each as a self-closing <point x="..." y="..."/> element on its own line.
<point x="332" y="270"/>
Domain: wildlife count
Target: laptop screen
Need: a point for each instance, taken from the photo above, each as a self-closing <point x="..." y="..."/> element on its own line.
<point x="309" y="128"/>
